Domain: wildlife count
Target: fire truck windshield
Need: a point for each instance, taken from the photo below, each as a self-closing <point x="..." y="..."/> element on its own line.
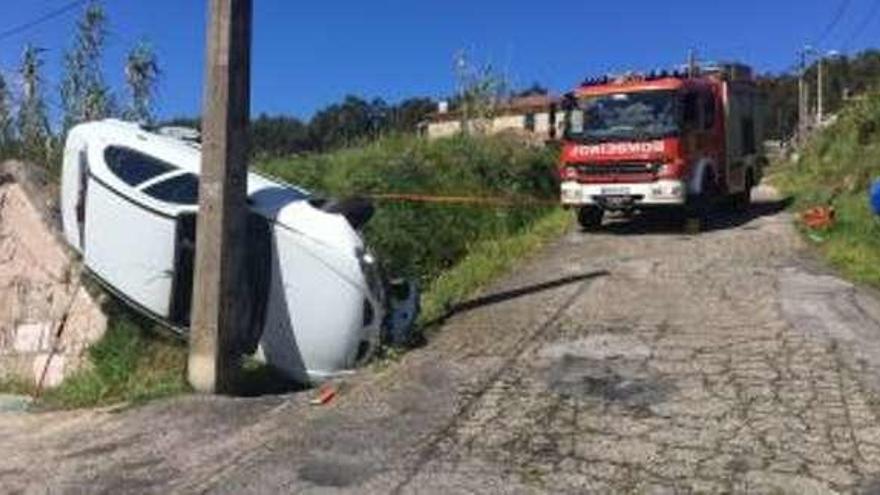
<point x="625" y="116"/>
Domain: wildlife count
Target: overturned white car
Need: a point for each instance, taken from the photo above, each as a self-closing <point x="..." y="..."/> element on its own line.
<point x="315" y="296"/>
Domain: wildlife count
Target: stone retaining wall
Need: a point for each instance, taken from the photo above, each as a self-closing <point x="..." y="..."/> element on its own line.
<point x="47" y="319"/>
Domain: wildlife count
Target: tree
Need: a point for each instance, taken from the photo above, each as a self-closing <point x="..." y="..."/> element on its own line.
<point x="408" y="114"/>
<point x="33" y="123"/>
<point x="7" y="132"/>
<point x="142" y="78"/>
<point x="845" y="75"/>
<point x="379" y="114"/>
<point x="279" y="136"/>
<point x="84" y="95"/>
<point x="534" y="90"/>
<point x="342" y="124"/>
<point x="480" y="89"/>
<point x="182" y="121"/>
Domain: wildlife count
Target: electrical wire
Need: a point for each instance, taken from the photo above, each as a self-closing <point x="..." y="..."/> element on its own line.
<point x="835" y="20"/>
<point x="866" y="22"/>
<point x="8" y="33"/>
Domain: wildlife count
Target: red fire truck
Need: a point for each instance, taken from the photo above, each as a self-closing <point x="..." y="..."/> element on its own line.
<point x="670" y="140"/>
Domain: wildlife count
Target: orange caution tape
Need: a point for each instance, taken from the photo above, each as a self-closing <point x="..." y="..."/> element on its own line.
<point x="423" y="198"/>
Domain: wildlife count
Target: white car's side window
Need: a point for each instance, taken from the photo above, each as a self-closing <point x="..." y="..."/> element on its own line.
<point x="132" y="167"/>
<point x="180" y="190"/>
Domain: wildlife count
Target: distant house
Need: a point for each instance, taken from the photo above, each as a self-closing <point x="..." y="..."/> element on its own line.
<point x="534" y="117"/>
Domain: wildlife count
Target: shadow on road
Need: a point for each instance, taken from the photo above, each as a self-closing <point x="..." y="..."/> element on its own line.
<point x="722" y="217"/>
<point x="499" y="297"/>
<point x="259" y="380"/>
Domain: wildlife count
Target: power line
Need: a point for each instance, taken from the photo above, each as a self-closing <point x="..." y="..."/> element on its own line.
<point x="39" y="20"/>
<point x="864" y="25"/>
<point x="835" y="19"/>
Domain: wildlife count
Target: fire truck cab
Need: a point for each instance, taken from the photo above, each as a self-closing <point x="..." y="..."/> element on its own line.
<point x="679" y="141"/>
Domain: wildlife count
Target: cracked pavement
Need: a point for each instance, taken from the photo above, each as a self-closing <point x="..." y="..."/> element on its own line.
<point x="634" y="360"/>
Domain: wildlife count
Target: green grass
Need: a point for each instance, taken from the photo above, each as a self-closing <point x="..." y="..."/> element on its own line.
<point x="15" y="386"/>
<point x="837" y="168"/>
<point x="132" y="363"/>
<point x="422" y="240"/>
<point x="487" y="260"/>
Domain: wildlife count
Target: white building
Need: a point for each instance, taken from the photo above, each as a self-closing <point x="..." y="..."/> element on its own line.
<point x="537" y="116"/>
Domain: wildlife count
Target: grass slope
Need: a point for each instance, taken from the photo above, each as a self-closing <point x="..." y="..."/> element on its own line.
<point x="422" y="240"/>
<point x="837" y="168"/>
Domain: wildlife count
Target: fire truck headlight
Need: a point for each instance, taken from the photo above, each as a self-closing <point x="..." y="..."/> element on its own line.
<point x="667" y="190"/>
<point x="664" y="169"/>
<point x="569" y="173"/>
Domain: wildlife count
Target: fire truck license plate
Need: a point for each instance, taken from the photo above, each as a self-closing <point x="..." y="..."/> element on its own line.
<point x="615" y="191"/>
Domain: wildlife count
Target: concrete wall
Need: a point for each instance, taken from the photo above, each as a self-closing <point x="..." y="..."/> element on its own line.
<point x="47" y="320"/>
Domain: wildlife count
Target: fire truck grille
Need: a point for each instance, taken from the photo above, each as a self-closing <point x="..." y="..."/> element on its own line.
<point x="617" y="168"/>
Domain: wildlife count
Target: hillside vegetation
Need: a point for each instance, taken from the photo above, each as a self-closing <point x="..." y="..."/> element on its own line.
<point x="837" y="168"/>
<point x="423" y="239"/>
<point x="853" y="75"/>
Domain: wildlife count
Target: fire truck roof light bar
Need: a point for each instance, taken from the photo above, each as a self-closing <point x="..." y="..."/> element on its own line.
<point x="726" y="70"/>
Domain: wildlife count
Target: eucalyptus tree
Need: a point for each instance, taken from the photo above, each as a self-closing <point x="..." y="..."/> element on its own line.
<point x="33" y="120"/>
<point x="84" y="94"/>
<point x="142" y="80"/>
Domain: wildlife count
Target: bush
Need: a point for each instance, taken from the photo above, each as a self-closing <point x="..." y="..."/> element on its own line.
<point x="844" y="158"/>
<point x="423" y="239"/>
<point x="837" y="168"/>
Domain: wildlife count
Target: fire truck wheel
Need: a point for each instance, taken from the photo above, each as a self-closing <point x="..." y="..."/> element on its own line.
<point x="590" y="217"/>
<point x="693" y="217"/>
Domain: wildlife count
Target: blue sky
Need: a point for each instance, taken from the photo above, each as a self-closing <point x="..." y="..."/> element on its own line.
<point x="309" y="54"/>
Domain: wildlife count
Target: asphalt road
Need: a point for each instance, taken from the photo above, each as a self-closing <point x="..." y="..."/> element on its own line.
<point x="634" y="360"/>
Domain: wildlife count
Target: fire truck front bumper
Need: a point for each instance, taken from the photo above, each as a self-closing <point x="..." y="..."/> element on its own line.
<point x="613" y="196"/>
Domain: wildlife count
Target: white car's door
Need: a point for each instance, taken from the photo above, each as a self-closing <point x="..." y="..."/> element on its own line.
<point x="129" y="237"/>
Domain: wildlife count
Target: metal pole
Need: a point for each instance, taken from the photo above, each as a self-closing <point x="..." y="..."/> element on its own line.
<point x="692" y="63"/>
<point x="217" y="321"/>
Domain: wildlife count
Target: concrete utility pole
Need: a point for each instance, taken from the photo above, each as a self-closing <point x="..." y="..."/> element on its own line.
<point x="820" y="103"/>
<point x="217" y="322"/>
<point x="820" y="90"/>
<point x="802" y="98"/>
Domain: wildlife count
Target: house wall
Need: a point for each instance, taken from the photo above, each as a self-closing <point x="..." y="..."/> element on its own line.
<point x="508" y="122"/>
<point x="444" y="128"/>
<point x="501" y="123"/>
